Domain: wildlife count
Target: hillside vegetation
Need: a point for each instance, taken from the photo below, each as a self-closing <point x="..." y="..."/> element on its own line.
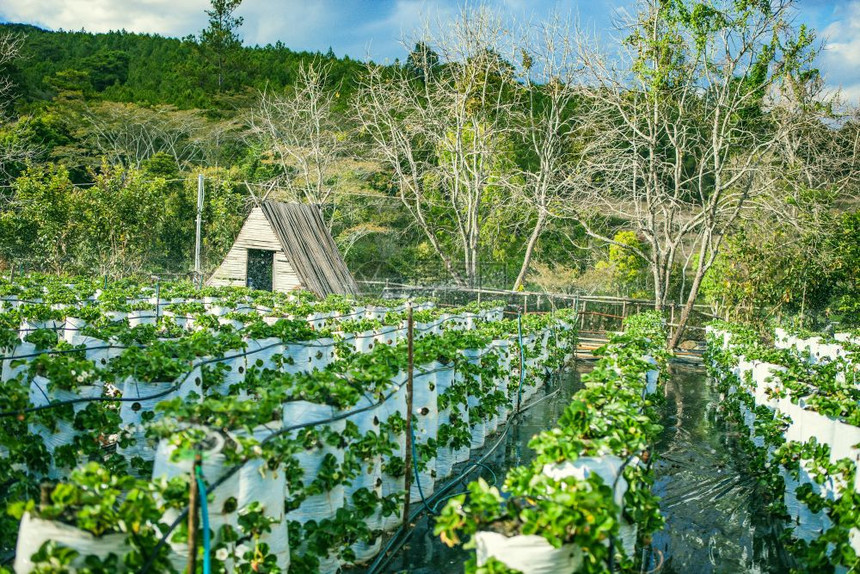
<point x="704" y="164"/>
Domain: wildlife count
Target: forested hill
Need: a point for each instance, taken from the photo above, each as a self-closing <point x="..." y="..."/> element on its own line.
<point x="151" y="69"/>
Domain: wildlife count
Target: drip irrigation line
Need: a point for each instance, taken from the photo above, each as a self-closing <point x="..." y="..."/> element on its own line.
<point x="173" y="386"/>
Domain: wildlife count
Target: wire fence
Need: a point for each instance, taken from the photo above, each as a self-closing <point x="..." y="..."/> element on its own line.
<point x="598" y="315"/>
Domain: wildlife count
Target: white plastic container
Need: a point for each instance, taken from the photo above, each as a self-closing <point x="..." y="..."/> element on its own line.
<point x="33" y="532"/>
<point x="529" y="554"/>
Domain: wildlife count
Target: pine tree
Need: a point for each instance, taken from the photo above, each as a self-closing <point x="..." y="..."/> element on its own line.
<point x="221" y="39"/>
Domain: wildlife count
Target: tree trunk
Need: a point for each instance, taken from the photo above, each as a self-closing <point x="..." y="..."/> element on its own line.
<point x="658" y="285"/>
<point x="688" y="307"/>
<point x="533" y="239"/>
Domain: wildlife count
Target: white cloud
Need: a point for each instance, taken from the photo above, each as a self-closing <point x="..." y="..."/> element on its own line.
<point x="168" y="17"/>
<point x="840" y="60"/>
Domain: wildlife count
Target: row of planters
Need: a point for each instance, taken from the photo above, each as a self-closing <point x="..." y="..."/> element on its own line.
<point x="120" y="373"/>
<point x="269" y="385"/>
<point x="585" y="503"/>
<point x="47" y="301"/>
<point x="818" y="347"/>
<point x="801" y="404"/>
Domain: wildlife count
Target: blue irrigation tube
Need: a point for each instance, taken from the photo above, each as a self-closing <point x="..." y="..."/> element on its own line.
<point x="204" y="511"/>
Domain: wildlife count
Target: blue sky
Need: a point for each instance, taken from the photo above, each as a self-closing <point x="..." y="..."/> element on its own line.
<point x="362" y="28"/>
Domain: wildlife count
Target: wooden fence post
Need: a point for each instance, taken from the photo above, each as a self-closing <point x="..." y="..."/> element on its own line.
<point x="410" y="332"/>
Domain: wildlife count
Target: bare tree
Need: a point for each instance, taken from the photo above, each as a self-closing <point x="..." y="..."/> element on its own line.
<point x="12" y="150"/>
<point x="548" y="125"/>
<point x="681" y="120"/>
<point x="304" y="135"/>
<point x="441" y="125"/>
<point x="816" y="155"/>
<point x="127" y="135"/>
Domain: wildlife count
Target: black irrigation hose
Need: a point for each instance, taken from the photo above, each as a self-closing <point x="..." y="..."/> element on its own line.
<point x="383" y="558"/>
<point x="235" y="468"/>
<point x="173" y="386"/>
<point x="167" y="391"/>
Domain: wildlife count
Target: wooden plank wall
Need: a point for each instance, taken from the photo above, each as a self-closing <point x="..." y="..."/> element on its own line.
<point x="256" y="233"/>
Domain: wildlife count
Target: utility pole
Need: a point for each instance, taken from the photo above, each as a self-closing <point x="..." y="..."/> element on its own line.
<point x="198" y="273"/>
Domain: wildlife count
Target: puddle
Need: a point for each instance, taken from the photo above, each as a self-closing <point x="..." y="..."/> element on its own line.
<point x="715" y="516"/>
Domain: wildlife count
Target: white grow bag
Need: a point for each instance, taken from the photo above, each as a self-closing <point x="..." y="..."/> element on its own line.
<point x="23" y="352"/>
<point x="295" y="358"/>
<point x="63" y="433"/>
<point x="141" y="317"/>
<point x="390" y="335"/>
<point x="502" y="348"/>
<point x="325" y="505"/>
<point x="33" y="532"/>
<point x="232" y="367"/>
<point x="530" y="554"/>
<point x="426" y="413"/>
<point x="608" y="468"/>
<point x="363" y="342"/>
<point x="131" y="411"/>
<point x="396" y="403"/>
<point x="445" y="456"/>
<point x="369" y="474"/>
<point x="478" y="427"/>
<point x="72" y="329"/>
<point x="98" y="351"/>
<point x="261" y="352"/>
<point x="321" y="353"/>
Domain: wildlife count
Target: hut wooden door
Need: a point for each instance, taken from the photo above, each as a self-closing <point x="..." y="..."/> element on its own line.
<point x="259" y="272"/>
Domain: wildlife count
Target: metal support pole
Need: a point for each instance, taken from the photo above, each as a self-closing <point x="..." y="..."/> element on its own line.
<point x="409" y="385"/>
<point x="192" y="517"/>
<point x="197" y="241"/>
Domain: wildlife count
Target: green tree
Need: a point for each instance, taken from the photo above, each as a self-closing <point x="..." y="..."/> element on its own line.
<point x="221" y="38"/>
<point x="678" y="156"/>
<point x="39" y="224"/>
<point x="627" y="270"/>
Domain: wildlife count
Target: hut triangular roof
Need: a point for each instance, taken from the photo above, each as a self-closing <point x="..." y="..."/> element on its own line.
<point x="310" y="248"/>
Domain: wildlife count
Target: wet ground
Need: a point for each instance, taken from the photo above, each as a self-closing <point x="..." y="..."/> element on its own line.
<point x="715" y="516"/>
<point x="715" y="520"/>
<point x="424" y="553"/>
